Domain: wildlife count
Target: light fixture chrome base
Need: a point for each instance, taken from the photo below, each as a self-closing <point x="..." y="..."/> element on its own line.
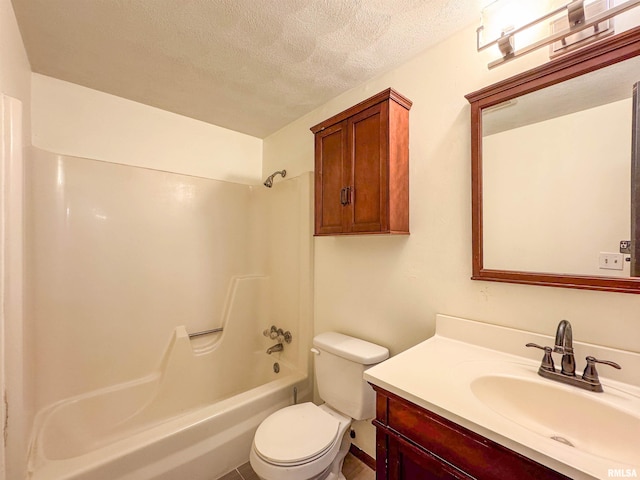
<point x="576" y="20"/>
<point x="584" y="37"/>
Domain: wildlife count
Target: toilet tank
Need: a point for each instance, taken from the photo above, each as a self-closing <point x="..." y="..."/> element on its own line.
<point x="340" y="362"/>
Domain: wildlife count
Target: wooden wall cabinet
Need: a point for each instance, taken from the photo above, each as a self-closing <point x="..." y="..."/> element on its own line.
<point x="414" y="443"/>
<point x="362" y="168"/>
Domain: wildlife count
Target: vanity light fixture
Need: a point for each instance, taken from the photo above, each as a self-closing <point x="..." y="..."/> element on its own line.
<point x="577" y="21"/>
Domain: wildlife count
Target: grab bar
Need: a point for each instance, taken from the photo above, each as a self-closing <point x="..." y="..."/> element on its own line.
<point x="205" y="332"/>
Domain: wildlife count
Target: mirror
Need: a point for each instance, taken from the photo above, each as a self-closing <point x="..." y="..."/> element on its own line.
<point x="552" y="171"/>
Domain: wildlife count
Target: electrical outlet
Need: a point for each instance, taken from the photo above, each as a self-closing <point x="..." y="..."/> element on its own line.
<point x="611" y="261"/>
<point x="625" y="246"/>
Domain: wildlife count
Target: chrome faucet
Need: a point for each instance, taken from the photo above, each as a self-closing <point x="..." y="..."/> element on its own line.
<point x="278" y="347"/>
<point x="564" y="345"/>
<point x="567" y="374"/>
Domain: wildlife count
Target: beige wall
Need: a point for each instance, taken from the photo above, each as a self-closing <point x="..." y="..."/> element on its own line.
<point x="388" y="289"/>
<point x="15" y="71"/>
<point x="73" y="120"/>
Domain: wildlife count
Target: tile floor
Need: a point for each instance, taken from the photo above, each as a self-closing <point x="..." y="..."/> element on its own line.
<point x="353" y="469"/>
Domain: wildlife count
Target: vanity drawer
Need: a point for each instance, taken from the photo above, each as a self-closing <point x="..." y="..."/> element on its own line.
<point x="469" y="452"/>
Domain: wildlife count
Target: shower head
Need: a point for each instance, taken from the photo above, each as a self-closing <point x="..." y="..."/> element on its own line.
<point x="269" y="181"/>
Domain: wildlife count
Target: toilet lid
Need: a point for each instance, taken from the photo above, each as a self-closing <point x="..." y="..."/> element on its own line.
<point x="296" y="434"/>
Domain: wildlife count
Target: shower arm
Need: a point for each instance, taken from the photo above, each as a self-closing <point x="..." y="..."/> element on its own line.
<point x="269" y="181"/>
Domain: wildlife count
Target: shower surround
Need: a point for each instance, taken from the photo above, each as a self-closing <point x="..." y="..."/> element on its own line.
<point x="124" y="262"/>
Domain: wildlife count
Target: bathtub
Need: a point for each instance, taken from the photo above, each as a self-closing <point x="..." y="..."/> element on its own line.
<point x="193" y="418"/>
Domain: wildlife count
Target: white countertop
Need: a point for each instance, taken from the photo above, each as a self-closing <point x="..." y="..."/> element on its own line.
<point x="436" y="374"/>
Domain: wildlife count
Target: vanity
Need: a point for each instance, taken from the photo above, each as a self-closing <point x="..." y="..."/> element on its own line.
<point x="469" y="403"/>
<point x="413" y="442"/>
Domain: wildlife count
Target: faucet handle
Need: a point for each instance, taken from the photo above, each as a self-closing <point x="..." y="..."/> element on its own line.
<point x="547" y="360"/>
<point x="590" y="373"/>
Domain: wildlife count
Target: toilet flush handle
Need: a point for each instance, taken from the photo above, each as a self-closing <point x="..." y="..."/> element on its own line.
<point x="316" y="351"/>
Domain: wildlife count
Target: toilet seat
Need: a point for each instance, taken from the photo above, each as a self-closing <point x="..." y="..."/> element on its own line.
<point x="296" y="435"/>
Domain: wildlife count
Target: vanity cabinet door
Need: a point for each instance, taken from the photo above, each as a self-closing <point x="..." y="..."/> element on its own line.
<point x="408" y="462"/>
<point x="415" y="443"/>
<point x="362" y="168"/>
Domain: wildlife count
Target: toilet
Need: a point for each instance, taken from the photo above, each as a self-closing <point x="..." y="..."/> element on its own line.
<point x="309" y="442"/>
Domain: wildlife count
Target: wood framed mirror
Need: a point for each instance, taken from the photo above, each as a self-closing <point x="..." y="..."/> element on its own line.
<point x="555" y="171"/>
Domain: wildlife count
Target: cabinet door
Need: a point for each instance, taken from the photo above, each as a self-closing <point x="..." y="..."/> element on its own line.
<point x="332" y="173"/>
<point x="407" y="462"/>
<point x="368" y="144"/>
<point x="419" y="444"/>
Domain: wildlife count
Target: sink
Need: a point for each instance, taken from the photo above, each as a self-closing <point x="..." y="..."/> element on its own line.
<point x="582" y="420"/>
<point x="483" y="378"/>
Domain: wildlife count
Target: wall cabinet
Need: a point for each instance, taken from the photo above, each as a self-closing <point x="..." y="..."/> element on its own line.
<point x="362" y="168"/>
<point x="414" y="443"/>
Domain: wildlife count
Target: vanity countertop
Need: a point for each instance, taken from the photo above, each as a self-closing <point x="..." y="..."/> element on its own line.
<point x="437" y="375"/>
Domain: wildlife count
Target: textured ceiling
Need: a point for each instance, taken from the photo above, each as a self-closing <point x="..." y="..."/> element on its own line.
<point x="247" y="65"/>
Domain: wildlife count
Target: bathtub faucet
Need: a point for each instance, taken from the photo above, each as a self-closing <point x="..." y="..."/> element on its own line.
<point x="276" y="348"/>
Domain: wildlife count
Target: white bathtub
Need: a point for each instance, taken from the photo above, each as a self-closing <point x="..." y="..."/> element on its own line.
<point x="192" y="419"/>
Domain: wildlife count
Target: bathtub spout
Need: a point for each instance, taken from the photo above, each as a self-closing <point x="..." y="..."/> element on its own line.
<point x="276" y="348"/>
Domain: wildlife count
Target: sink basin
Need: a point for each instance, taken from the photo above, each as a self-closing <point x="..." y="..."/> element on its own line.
<point x="576" y="419"/>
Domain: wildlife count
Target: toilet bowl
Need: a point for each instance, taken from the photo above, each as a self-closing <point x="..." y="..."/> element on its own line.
<point x="302" y="441"/>
<point x="309" y="442"/>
